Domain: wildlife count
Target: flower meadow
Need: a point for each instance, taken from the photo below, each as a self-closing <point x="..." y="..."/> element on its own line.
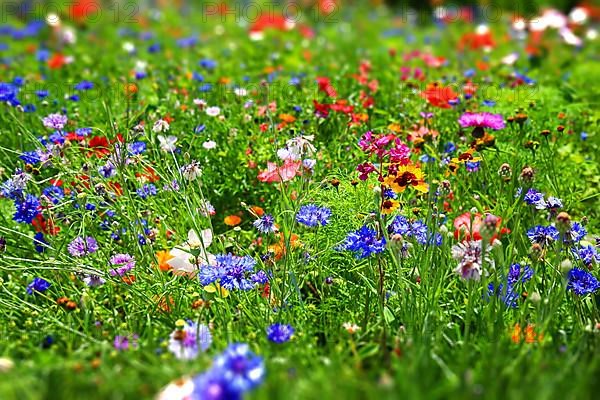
<point x="348" y="204"/>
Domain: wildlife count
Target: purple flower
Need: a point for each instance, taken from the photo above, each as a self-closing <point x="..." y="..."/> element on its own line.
<point x="80" y="247"/>
<point x="38" y="285"/>
<point x="123" y="343"/>
<point x="280" y="333"/>
<point x="55" y="121"/>
<point x="481" y="120"/>
<point x="123" y="263"/>
<point x="240" y="368"/>
<point x="265" y="224"/>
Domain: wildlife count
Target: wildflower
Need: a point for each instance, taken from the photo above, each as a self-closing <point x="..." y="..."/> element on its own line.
<point x="123" y="263"/>
<point x="530" y="336"/>
<point x="587" y="254"/>
<point x="80" y="247"/>
<point x="582" y="282"/>
<point x="123" y="343"/>
<point x="283" y="173"/>
<point x="206" y="208"/>
<point x="407" y="176"/>
<point x="232" y="220"/>
<point x="312" y="215"/>
<point x="543" y="235"/>
<point x="280" y="248"/>
<point x="183" y="261"/>
<point x="232" y="272"/>
<point x="280" y="333"/>
<point x="240" y="368"/>
<point x="55" y="121"/>
<point x="213" y="111"/>
<point x="27" y="209"/>
<point x="351" y="328"/>
<point x="209" y="144"/>
<point x="364" y="242"/>
<point x="93" y="280"/>
<point x="186" y="341"/>
<point x="516" y="277"/>
<point x="575" y="234"/>
<point x="167" y="144"/>
<point x="439" y="96"/>
<point x="147" y="190"/>
<point x="481" y="121"/>
<point x="265" y="224"/>
<point x="191" y="171"/>
<point x="471" y="256"/>
<point x="160" y="126"/>
<point x="38" y="285"/>
<point x="535" y="198"/>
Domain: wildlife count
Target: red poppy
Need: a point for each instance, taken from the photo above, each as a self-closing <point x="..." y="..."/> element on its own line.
<point x="438" y="95"/>
<point x="321" y="110"/>
<point x="56" y="61"/>
<point x="326" y="87"/>
<point x="83" y="9"/>
<point x="99" y="146"/>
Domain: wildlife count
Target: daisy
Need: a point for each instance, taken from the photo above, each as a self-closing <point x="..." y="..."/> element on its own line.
<point x="213" y="111"/>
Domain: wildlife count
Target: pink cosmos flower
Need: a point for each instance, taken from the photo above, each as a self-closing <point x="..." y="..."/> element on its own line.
<point x="481" y="120"/>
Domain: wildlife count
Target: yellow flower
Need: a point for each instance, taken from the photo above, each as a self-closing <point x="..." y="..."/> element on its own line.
<point x="216" y="288"/>
<point x="407" y="175"/>
<point x="389" y="206"/>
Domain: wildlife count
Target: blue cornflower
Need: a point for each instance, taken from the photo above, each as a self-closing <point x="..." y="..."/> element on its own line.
<point x="399" y="226"/>
<point x="587" y="254"/>
<point x="509" y="293"/>
<point x="80" y="246"/>
<point x="211" y="385"/>
<point x="472" y="166"/>
<point x="30" y="157"/>
<point x="280" y="333"/>
<point x="232" y="272"/>
<point x="265" y="224"/>
<point x="582" y="282"/>
<point x="107" y="170"/>
<point x="240" y="368"/>
<point x="553" y="203"/>
<point x="449" y="148"/>
<point x="136" y="148"/>
<point x="38" y="285"/>
<point x="146" y="191"/>
<point x="208" y="63"/>
<point x="575" y="234"/>
<point x="364" y="242"/>
<point x="260" y="278"/>
<point x="8" y="92"/>
<point x="419" y="231"/>
<point x="84" y="85"/>
<point x="26" y="209"/>
<point x="312" y="215"/>
<point x="543" y="235"/>
<point x="535" y="198"/>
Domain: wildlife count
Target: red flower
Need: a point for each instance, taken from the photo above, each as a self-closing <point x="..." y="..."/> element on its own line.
<point x="326" y="87"/>
<point x="439" y="96"/>
<point x="56" y="61"/>
<point x="99" y="146"/>
<point x="45" y="226"/>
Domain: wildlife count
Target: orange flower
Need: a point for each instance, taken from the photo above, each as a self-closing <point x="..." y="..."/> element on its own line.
<point x="287" y="118"/>
<point x="257" y="210"/>
<point x="232" y="220"/>
<point x="163" y="256"/>
<point x="530" y="336"/>
<point x="279" y="249"/>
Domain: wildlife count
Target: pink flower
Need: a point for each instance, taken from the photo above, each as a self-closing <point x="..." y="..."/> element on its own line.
<point x="283" y="173"/>
<point x="481" y="120"/>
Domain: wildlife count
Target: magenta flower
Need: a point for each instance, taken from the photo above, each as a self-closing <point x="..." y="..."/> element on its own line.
<point x="123" y="263"/>
<point x="481" y="120"/>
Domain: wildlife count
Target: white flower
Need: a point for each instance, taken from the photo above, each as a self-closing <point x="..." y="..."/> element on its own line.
<point x="160" y="126"/>
<point x="470" y="258"/>
<point x="185" y="343"/>
<point x="184" y="262"/>
<point x="179" y="389"/>
<point x="201" y="103"/>
<point x="128" y="47"/>
<point x="140" y="66"/>
<point x="213" y="111"/>
<point x="209" y="144"/>
<point x="167" y="144"/>
<point x="191" y="171"/>
<point x="240" y="92"/>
